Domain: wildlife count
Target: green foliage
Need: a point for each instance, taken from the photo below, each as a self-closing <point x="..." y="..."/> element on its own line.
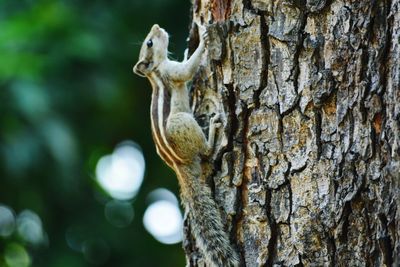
<point x="67" y="97"/>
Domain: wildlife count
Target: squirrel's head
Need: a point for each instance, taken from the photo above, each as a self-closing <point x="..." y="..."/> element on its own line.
<point x="154" y="50"/>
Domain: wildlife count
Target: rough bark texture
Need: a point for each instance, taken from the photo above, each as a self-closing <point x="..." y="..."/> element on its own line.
<point x="308" y="161"/>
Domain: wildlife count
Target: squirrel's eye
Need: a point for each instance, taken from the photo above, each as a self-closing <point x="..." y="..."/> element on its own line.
<point x="149" y="43"/>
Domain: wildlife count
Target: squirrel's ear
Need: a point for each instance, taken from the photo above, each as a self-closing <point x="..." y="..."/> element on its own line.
<point x="142" y="67"/>
<point x="155" y="27"/>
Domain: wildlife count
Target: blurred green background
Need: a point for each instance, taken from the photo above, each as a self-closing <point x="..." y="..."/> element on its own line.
<point x="68" y="98"/>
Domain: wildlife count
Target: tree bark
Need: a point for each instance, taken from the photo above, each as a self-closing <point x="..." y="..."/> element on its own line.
<point x="307" y="165"/>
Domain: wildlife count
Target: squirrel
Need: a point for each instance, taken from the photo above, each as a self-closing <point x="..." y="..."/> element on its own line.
<point x="181" y="143"/>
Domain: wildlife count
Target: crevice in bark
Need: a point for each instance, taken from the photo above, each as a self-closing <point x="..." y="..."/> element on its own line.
<point x="234" y="125"/>
<point x="318" y="131"/>
<point x="280" y="125"/>
<point x="340" y="166"/>
<point x="287" y="172"/>
<point x="269" y="170"/>
<point x="215" y="66"/>
<point x="384" y="242"/>
<point x="332" y="248"/>
<point x="289" y="219"/>
<point x="265" y="49"/>
<point x="299" y="170"/>
<point x="247" y="5"/>
<point x="351" y="130"/>
<point x="375" y="133"/>
<point x="300" y="4"/>
<point x="233" y="120"/>
<point x="295" y="72"/>
<point x="342" y="237"/>
<point x="273" y="229"/>
<point x="293" y="107"/>
<point x="300" y="262"/>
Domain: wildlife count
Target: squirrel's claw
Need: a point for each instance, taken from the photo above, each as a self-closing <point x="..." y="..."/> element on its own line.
<point x="203" y="33"/>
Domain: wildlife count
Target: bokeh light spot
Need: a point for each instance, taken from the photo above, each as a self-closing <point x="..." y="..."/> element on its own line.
<point x="30" y="228"/>
<point x="162" y="194"/>
<point x="15" y="255"/>
<point x="163" y="220"/>
<point x="7" y="221"/>
<point x="121" y="173"/>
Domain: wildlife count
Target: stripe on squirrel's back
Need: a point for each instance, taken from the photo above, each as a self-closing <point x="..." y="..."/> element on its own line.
<point x="160" y="108"/>
<point x="163" y="116"/>
<point x="155" y="129"/>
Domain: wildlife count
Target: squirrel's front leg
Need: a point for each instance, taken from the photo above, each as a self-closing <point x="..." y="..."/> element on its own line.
<point x="185" y="70"/>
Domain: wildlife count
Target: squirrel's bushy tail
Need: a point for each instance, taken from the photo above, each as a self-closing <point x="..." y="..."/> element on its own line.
<point x="206" y="221"/>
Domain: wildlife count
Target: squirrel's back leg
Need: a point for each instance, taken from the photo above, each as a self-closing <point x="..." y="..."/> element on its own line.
<point x="185" y="135"/>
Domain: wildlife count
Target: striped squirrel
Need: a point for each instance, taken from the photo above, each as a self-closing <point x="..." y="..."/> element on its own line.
<point x="181" y="143"/>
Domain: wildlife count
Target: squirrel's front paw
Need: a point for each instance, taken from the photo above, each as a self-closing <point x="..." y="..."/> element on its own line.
<point x="203" y="34"/>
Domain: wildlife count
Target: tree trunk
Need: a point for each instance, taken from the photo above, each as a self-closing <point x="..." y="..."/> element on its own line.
<point x="307" y="165"/>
